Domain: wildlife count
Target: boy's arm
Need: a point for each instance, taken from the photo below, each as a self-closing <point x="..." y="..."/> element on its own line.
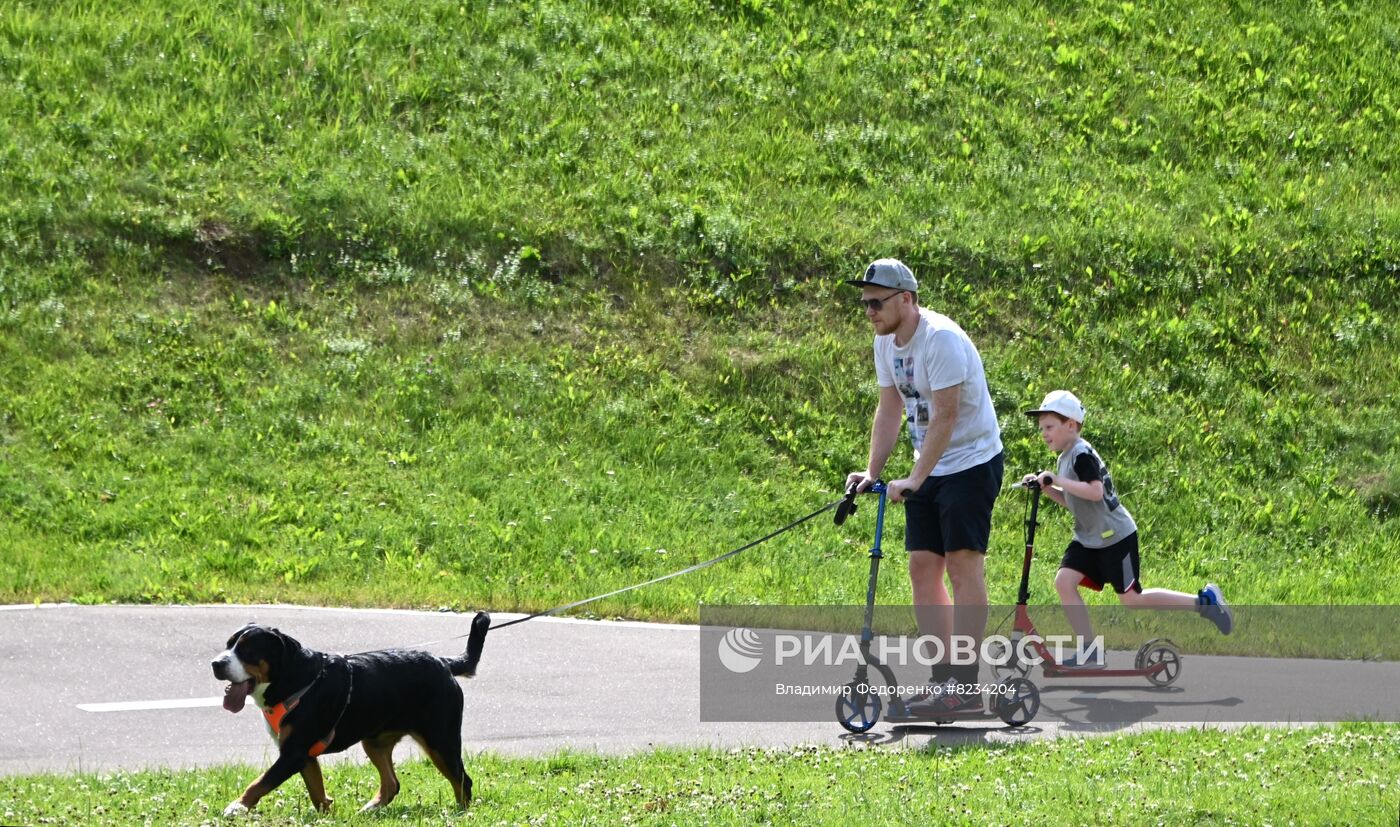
<point x="1089" y="483"/>
<point x="1044" y="478"/>
<point x="1054" y="494"/>
<point x="1091" y="491"/>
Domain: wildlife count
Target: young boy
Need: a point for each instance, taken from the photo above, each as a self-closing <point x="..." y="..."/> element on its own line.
<point x="1104" y="549"/>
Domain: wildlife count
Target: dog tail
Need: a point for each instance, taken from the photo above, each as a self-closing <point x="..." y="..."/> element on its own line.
<point x="465" y="666"/>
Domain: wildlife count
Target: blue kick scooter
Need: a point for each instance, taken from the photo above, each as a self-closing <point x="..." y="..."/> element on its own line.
<point x="1015" y="702"/>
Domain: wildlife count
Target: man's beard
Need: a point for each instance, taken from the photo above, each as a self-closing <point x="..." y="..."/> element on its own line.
<point x="885" y="328"/>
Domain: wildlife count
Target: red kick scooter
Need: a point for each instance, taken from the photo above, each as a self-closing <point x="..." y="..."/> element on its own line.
<point x="1158" y="660"/>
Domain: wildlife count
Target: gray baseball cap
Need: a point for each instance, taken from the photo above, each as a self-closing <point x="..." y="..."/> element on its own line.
<point x="887" y="272"/>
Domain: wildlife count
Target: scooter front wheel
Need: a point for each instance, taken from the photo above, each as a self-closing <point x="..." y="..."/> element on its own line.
<point x="1018" y="703"/>
<point x="857" y="710"/>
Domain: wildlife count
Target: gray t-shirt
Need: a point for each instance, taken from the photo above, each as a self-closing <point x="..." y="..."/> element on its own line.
<point x="940" y="355"/>
<point x="1096" y="524"/>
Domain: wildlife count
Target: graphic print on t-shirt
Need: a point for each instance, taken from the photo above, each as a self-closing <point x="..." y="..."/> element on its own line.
<point x="1110" y="499"/>
<point x="1094" y="469"/>
<point x="916" y="408"/>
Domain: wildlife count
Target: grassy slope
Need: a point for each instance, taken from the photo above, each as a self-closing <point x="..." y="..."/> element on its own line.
<point x="203" y="440"/>
<point x="759" y="139"/>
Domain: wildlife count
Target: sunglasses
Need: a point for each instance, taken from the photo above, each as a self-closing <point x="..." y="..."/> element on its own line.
<point x="876" y="304"/>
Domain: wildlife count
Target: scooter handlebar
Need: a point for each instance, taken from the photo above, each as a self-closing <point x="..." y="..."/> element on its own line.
<point x="874" y="487"/>
<point x="847" y="506"/>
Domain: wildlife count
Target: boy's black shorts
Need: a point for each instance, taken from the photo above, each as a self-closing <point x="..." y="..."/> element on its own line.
<point x="1115" y="565"/>
<point x="954" y="512"/>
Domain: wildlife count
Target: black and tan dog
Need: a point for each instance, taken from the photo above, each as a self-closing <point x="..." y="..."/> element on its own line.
<point x="316" y="702"/>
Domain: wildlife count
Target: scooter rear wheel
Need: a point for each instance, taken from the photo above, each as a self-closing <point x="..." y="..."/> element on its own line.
<point x="1164" y="652"/>
<point x="1005" y="662"/>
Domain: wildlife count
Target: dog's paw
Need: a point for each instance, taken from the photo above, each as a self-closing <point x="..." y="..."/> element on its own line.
<point x="235" y="810"/>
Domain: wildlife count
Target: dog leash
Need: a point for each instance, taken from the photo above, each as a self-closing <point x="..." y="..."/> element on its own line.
<point x="687" y="570"/>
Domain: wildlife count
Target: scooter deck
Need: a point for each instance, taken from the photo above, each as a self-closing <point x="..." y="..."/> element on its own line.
<point x="1050" y="671"/>
<point x="978" y="713"/>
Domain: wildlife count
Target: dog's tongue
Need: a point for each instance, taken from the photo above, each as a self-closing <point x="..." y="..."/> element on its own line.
<point x="236" y="695"/>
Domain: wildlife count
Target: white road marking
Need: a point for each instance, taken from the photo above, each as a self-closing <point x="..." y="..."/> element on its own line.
<point x="137" y="706"/>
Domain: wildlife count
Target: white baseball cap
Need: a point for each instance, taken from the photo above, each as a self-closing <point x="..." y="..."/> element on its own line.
<point x="1063" y="403"/>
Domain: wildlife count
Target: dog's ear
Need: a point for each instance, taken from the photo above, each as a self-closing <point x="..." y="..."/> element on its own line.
<point x="236" y="636"/>
<point x="264" y="641"/>
<point x="290" y="651"/>
<point x="283" y="645"/>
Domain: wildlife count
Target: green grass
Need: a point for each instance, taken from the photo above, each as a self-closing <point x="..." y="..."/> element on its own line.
<point x="1254" y="776"/>
<point x="435" y="304"/>
<point x="720" y="144"/>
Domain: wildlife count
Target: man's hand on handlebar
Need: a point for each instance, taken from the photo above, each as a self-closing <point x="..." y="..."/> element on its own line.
<point x="862" y="480"/>
<point x="900" y="490"/>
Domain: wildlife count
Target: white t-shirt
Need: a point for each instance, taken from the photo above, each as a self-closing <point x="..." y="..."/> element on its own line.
<point x="940" y="355"/>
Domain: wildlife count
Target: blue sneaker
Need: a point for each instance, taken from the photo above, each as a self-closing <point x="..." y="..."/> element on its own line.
<point x="1092" y="660"/>
<point x="1214" y="608"/>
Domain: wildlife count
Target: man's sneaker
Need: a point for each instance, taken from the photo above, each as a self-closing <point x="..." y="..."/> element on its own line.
<point x="1093" y="660"/>
<point x="923" y="693"/>
<point x="1214" y="608"/>
<point x="941" y="700"/>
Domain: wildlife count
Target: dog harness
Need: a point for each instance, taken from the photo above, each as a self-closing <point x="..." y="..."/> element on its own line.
<point x="275" y="713"/>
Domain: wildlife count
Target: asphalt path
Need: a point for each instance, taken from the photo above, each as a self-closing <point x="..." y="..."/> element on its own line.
<point x="99" y="688"/>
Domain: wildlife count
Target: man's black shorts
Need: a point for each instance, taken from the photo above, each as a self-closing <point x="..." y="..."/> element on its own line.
<point x="954" y="512"/>
<point x="1115" y="565"/>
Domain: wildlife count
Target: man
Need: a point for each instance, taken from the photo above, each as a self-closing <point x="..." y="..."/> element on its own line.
<point x="931" y="376"/>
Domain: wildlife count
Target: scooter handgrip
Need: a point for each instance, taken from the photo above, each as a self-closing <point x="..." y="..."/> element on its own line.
<point x="847" y="506"/>
<point x="845" y="509"/>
